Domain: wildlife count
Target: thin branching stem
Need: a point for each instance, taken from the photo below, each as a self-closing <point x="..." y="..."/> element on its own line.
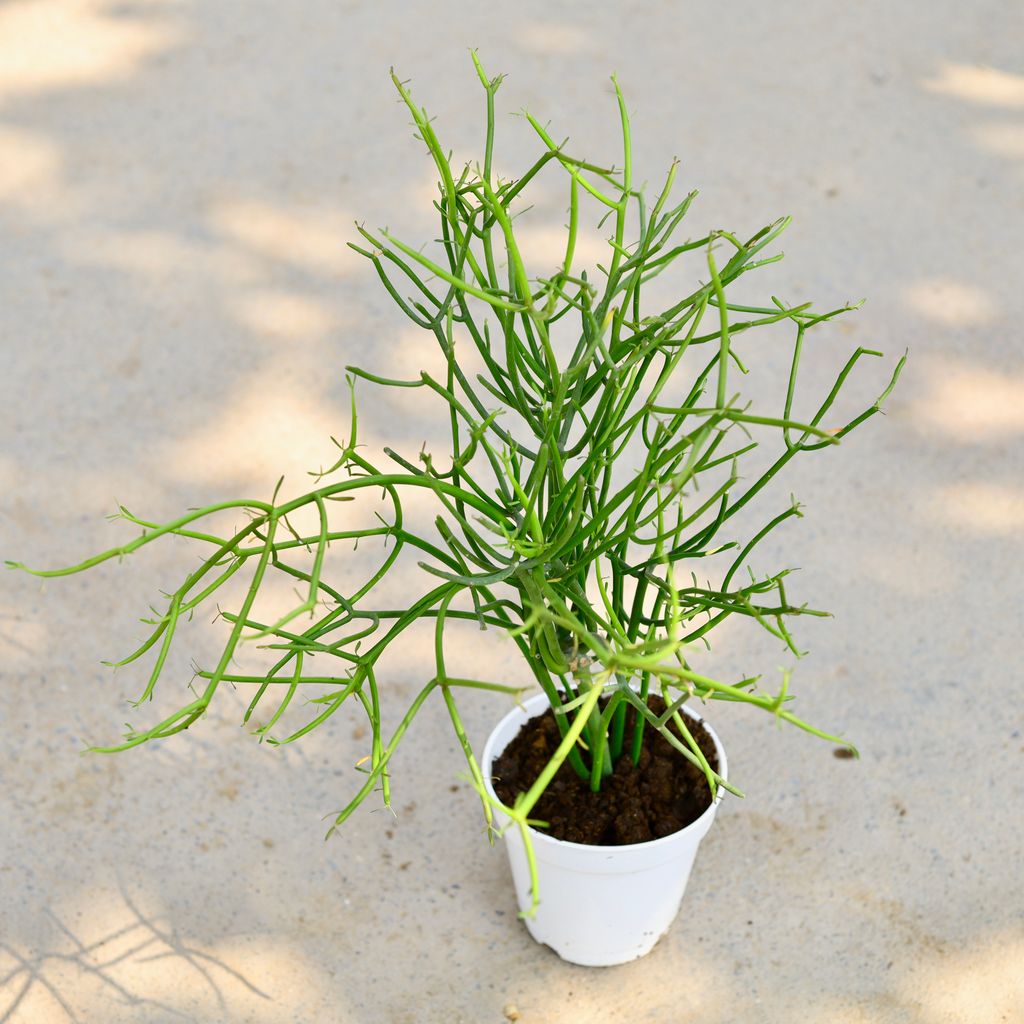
<point x="598" y="451"/>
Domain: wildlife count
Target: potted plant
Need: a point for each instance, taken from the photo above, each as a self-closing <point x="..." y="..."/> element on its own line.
<point x="586" y="508"/>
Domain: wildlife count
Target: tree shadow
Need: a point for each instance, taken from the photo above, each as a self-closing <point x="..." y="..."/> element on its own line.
<point x="144" y="939"/>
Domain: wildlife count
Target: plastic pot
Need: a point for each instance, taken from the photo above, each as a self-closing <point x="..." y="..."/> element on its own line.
<point x="599" y="905"/>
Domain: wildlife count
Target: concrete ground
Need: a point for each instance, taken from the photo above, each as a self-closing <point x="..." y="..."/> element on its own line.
<point x="176" y="306"/>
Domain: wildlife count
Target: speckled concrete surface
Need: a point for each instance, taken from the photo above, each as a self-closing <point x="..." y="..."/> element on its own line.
<point x="175" y="308"/>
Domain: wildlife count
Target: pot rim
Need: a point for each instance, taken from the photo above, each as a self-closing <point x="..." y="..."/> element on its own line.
<point x="540" y="702"/>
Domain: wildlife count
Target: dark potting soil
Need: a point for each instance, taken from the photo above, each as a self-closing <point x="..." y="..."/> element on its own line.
<point x="659" y="795"/>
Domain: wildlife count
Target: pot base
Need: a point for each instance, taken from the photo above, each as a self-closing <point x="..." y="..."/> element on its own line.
<point x="607" y="958"/>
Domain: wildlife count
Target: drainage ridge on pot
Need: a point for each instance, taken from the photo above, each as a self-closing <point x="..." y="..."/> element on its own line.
<point x="599" y="905"/>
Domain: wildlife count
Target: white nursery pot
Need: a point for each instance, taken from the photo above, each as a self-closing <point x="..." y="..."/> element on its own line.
<point x="599" y="905"/>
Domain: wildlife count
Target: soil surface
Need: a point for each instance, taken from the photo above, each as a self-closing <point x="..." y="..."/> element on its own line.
<point x="661" y="794"/>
